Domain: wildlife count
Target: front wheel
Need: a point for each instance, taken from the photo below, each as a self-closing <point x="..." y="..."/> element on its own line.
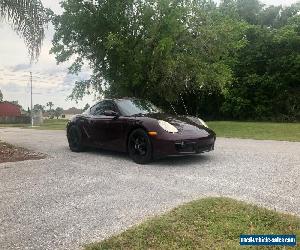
<point x="75" y="139"/>
<point x="139" y="146"/>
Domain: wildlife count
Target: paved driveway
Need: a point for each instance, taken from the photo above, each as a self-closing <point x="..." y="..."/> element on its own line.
<point x="69" y="199"/>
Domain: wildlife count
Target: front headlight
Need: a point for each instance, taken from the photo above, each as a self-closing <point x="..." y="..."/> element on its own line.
<point x="202" y="122"/>
<point x="167" y="126"/>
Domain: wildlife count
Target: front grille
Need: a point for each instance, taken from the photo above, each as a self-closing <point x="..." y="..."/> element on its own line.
<point x="195" y="146"/>
<point x="183" y="147"/>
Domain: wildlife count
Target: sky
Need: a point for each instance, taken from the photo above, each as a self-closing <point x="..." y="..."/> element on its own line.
<point x="51" y="82"/>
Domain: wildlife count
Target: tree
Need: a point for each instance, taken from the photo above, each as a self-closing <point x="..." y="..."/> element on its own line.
<point x="249" y="10"/>
<point x="284" y="15"/>
<point x="27" y="18"/>
<point x="151" y="49"/>
<point x="50" y="105"/>
<point x="254" y="12"/>
<point x="1" y="96"/>
<point x="267" y="79"/>
<point x="15" y="102"/>
<point x="58" y="112"/>
<point x="39" y="107"/>
<point x="86" y="107"/>
<point x="238" y="60"/>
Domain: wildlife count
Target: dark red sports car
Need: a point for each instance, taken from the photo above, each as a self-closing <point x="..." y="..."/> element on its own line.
<point x="138" y="127"/>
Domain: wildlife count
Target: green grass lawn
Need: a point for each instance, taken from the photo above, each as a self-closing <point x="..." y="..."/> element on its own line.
<point x="54" y="124"/>
<point x="211" y="223"/>
<point x="257" y="130"/>
<point x="50" y="124"/>
<point x="251" y="130"/>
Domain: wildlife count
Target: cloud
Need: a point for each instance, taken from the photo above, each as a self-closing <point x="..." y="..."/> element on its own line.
<point x="12" y="87"/>
<point x="20" y="67"/>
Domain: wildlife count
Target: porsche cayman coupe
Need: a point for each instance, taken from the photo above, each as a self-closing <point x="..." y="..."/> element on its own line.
<point x="138" y="127"/>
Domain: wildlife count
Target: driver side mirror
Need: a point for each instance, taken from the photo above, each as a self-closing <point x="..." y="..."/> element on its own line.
<point x="111" y="113"/>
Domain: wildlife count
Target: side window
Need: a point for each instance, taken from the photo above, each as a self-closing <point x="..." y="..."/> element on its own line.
<point x="97" y="108"/>
<point x="109" y="105"/>
<point x="100" y="107"/>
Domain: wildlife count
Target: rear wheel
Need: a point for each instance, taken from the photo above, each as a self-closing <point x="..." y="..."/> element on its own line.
<point x="139" y="147"/>
<point x="75" y="139"/>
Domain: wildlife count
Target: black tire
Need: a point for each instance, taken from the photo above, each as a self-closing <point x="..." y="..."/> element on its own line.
<point x="140" y="147"/>
<point x="75" y="139"/>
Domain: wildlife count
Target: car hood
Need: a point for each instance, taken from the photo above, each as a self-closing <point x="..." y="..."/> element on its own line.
<point x="181" y="122"/>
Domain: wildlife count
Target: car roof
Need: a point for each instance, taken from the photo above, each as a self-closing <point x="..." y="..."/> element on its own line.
<point x="119" y="99"/>
<point x="114" y="99"/>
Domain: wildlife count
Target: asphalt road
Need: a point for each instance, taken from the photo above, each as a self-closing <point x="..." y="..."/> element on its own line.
<point x="69" y="199"/>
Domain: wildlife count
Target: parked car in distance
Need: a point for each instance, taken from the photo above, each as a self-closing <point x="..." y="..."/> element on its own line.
<point x="138" y="127"/>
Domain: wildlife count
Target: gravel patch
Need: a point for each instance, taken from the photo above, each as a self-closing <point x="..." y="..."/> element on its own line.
<point x="10" y="153"/>
<point x="67" y="199"/>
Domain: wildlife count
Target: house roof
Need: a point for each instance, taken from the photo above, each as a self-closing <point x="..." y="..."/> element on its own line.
<point x="72" y="111"/>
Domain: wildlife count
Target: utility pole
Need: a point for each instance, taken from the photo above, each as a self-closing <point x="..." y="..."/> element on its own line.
<point x="31" y="99"/>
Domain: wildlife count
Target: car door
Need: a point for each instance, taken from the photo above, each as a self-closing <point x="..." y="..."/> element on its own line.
<point x="96" y="123"/>
<point x="113" y="137"/>
<point x="106" y="131"/>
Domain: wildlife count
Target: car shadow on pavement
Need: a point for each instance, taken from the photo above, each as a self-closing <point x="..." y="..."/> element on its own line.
<point x="179" y="160"/>
<point x="109" y="153"/>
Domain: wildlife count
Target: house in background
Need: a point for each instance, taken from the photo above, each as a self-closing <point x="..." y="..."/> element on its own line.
<point x="9" y="109"/>
<point x="48" y="115"/>
<point x="69" y="113"/>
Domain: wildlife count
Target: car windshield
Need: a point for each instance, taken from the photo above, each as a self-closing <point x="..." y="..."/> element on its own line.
<point x="130" y="107"/>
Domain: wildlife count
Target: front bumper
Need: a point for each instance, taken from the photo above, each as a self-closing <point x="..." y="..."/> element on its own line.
<point x="183" y="146"/>
<point x="194" y="146"/>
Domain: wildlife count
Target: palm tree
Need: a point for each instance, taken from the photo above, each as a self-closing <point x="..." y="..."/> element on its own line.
<point x="27" y="18"/>
<point x="50" y="105"/>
